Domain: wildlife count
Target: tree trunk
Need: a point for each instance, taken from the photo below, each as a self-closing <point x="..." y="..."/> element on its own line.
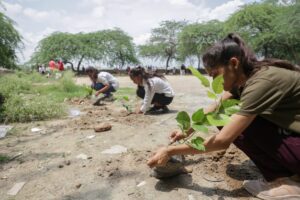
<point x="199" y="61"/>
<point x="266" y="52"/>
<point x="79" y="63"/>
<point x="167" y="63"/>
<point x="72" y="66"/>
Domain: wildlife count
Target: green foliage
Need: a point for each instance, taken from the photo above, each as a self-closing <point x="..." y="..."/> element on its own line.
<point x="196" y="38"/>
<point x="163" y="41"/>
<point x="125" y="103"/>
<point x="271" y="28"/>
<point x="198" y="116"/>
<point x="197" y="143"/>
<point x="113" y="47"/>
<point x="217" y="84"/>
<point x="200" y="120"/>
<point x="217" y="119"/>
<point x="25" y="109"/>
<point x="204" y="81"/>
<point x="3" y="158"/>
<point x="184" y="121"/>
<point x="29" y="98"/>
<point x="10" y="42"/>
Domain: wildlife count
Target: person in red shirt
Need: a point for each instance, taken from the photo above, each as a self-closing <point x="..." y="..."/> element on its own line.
<point x="52" y="65"/>
<point x="60" y="65"/>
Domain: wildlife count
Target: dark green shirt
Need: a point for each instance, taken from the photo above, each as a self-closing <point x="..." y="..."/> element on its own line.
<point x="274" y="94"/>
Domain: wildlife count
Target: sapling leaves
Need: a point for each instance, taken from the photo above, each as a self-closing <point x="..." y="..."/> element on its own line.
<point x="217" y="84"/>
<point x="198" y="116"/>
<point x="230" y="102"/>
<point x="211" y="95"/>
<point x="125" y="103"/>
<point x="200" y="120"/>
<point x="197" y="143"/>
<point x="126" y="98"/>
<point x="202" y="78"/>
<point x="231" y="110"/>
<point x="183" y="120"/>
<point x="217" y="119"/>
<point x="200" y="128"/>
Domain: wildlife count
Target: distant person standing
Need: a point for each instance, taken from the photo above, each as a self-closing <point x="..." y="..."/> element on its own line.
<point x="52" y="65"/>
<point x="60" y="65"/>
<point x="182" y="69"/>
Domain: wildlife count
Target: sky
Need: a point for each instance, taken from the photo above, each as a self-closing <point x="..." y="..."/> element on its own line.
<point x="36" y="19"/>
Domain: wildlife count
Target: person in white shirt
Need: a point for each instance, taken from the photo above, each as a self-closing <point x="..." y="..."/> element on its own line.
<point x="153" y="89"/>
<point x="102" y="82"/>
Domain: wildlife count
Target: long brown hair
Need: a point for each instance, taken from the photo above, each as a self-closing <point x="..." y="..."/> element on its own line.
<point x="140" y="71"/>
<point x="234" y="46"/>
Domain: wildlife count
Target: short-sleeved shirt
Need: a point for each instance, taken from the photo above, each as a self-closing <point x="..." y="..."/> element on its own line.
<point x="107" y="79"/>
<point x="274" y="94"/>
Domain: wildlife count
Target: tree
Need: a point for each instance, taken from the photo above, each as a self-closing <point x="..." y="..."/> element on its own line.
<point x="196" y="38"/>
<point x="10" y="42"/>
<point x="271" y="28"/>
<point x="108" y="46"/>
<point x="163" y="41"/>
<point x="119" y="48"/>
<point x="287" y="37"/>
<point x="254" y="23"/>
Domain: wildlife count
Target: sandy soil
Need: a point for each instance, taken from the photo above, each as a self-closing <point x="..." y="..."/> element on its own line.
<point x="50" y="166"/>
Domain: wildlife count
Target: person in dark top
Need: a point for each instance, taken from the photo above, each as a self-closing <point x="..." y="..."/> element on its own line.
<point x="267" y="127"/>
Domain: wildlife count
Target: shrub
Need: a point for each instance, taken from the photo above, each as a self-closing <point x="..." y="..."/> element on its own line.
<point x="19" y="108"/>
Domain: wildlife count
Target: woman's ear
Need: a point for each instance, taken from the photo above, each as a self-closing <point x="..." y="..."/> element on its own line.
<point x="234" y="62"/>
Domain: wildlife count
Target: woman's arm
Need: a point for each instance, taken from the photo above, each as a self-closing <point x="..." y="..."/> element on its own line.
<point x="102" y="90"/>
<point x="149" y="94"/>
<point x="217" y="142"/>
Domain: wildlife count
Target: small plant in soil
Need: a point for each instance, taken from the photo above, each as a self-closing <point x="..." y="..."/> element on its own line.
<point x="125" y="103"/>
<point x="200" y="121"/>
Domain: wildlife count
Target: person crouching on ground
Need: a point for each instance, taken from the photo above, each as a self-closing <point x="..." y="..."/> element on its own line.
<point x="103" y="82"/>
<point x="153" y="89"/>
<point x="267" y="127"/>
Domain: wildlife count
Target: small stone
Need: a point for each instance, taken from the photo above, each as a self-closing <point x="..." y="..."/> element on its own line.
<point x="67" y="162"/>
<point x="90" y="157"/>
<point x="78" y="185"/>
<point x="83" y="165"/>
<point x="60" y="166"/>
<point x="103" y="127"/>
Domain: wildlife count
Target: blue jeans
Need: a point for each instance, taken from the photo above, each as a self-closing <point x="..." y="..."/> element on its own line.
<point x="99" y="86"/>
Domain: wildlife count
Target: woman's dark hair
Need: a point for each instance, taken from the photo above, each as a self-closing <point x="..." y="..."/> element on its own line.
<point x="92" y="72"/>
<point x="140" y="71"/>
<point x="234" y="46"/>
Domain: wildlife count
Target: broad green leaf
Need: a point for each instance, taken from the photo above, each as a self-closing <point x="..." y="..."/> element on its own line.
<point x="202" y="78"/>
<point x="184" y="120"/>
<point x="197" y="143"/>
<point x="230" y="102"/>
<point x="211" y="95"/>
<point x="217" y="84"/>
<point x="198" y="116"/>
<point x="217" y="119"/>
<point x="232" y="110"/>
<point x="201" y="128"/>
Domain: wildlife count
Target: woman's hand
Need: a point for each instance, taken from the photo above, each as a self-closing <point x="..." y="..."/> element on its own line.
<point x="97" y="94"/>
<point x="175" y="136"/>
<point x="160" y="158"/>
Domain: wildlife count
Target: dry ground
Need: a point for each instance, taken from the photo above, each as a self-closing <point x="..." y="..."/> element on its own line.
<point x="51" y="169"/>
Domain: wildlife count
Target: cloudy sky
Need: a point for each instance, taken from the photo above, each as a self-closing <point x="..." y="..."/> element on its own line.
<point x="36" y="19"/>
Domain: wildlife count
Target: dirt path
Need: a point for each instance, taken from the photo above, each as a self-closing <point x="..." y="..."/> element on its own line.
<point x="51" y="166"/>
